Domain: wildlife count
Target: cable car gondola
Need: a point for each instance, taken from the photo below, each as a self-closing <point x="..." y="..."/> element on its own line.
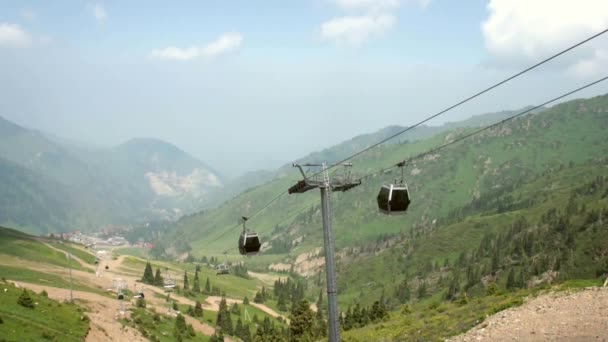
<point x="222" y="269"/>
<point x="249" y="242"/>
<point x="121" y="296"/>
<point x="394" y="199"/>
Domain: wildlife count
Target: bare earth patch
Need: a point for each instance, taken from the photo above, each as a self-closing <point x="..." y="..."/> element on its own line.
<point x="578" y="316"/>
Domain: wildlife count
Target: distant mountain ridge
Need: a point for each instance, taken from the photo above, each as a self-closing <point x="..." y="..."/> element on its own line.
<point x="142" y="179"/>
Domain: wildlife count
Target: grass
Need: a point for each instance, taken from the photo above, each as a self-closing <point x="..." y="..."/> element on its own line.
<point x="431" y="320"/>
<point x="158" y="327"/>
<point x="74" y="250"/>
<point x="35" y="277"/>
<point x="235" y="287"/>
<point x="30" y="248"/>
<point x="133" y="251"/>
<point x="49" y="320"/>
<point x="210" y="317"/>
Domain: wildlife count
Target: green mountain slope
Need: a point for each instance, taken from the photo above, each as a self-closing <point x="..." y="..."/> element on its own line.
<point x="47" y="320"/>
<point x="519" y="150"/>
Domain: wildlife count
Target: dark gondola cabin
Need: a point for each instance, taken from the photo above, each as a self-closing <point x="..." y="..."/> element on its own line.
<point x="222" y="269"/>
<point x="121" y="296"/>
<point x="393" y="199"/>
<point x="249" y="243"/>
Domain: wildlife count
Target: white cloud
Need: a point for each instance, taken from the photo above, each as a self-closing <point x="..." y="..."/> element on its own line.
<point x="365" y="19"/>
<point x="12" y="35"/>
<point x="99" y="12"/>
<point x="356" y="30"/>
<point x="523" y="31"/>
<point x="225" y="43"/>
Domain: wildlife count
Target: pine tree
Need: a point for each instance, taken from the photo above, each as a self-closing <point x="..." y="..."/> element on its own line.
<point x="148" y="277"/>
<point x="422" y="290"/>
<point x="223" y="320"/>
<point x="403" y="292"/>
<point x="198" y="309"/>
<point x="301" y="323"/>
<point x="25" y="300"/>
<point x="259" y="298"/>
<point x="180" y="326"/>
<point x="511" y="280"/>
<point x="454" y="287"/>
<point x="186" y="285"/>
<point x="158" y="279"/>
<point x="196" y="287"/>
<point x="246" y="301"/>
<point x="238" y="329"/>
<point x="281" y="305"/>
<point x="320" y="323"/>
<point x="207" y="286"/>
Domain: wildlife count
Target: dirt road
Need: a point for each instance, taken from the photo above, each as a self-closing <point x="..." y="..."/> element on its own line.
<point x="103" y="312"/>
<point x="578" y="316"/>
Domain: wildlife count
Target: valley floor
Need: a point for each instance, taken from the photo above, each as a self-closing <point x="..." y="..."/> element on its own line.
<point x="561" y="316"/>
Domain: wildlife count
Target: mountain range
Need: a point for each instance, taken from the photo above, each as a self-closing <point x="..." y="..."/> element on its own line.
<point x="50" y="185"/>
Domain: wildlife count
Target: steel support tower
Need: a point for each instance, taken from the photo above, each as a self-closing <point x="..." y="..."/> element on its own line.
<point x="327" y="185"/>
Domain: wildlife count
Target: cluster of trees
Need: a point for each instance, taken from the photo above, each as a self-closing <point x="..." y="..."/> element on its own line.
<point x="356" y="317"/>
<point x="288" y="291"/>
<point x="208" y="289"/>
<point x="182" y="331"/>
<point x="261" y="296"/>
<point x="225" y="326"/>
<point x="196" y="310"/>
<point x="240" y="270"/>
<point x="150" y="278"/>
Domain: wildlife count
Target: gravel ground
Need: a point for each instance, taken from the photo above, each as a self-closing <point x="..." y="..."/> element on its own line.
<point x="561" y="316"/>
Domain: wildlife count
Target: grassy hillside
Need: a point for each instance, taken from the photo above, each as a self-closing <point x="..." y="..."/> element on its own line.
<point x="29" y="248"/>
<point x="47" y="320"/>
<point x="517" y="152"/>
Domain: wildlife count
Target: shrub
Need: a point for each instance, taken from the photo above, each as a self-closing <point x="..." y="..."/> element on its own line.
<point x="140" y="303"/>
<point x="25" y="300"/>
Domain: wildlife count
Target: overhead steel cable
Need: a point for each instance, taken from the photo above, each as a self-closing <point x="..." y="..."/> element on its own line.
<point x="467" y="99"/>
<point x="433" y="150"/>
<point x="484" y="91"/>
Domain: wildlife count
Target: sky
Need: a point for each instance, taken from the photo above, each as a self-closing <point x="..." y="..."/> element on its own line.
<point x="254" y="84"/>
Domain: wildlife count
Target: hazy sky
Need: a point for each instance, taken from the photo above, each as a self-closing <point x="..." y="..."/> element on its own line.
<point x="253" y="84"/>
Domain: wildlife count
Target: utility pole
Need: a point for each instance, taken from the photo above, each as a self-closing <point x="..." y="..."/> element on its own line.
<point x="327" y="185"/>
<point x="69" y="256"/>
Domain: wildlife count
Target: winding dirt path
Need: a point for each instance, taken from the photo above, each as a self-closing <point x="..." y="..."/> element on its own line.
<point x="103" y="312"/>
<point x="81" y="262"/>
<point x="563" y="316"/>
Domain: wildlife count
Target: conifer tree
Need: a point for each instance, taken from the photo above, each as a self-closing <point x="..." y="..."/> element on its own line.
<point x="196" y="287"/>
<point x="207" y="286"/>
<point x="198" y="309"/>
<point x="186" y="285"/>
<point x="301" y="323"/>
<point x="511" y="280"/>
<point x="25" y="300"/>
<point x="180" y="326"/>
<point x="158" y="279"/>
<point x="148" y="277"/>
<point x="223" y="320"/>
